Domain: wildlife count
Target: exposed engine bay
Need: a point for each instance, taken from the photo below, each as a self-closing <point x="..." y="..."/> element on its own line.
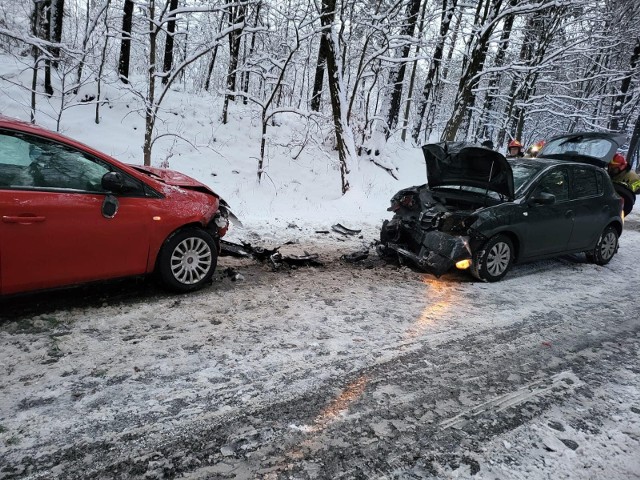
<point x="432" y="229"/>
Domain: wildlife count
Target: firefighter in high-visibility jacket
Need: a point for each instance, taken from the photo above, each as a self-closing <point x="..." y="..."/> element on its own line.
<point x="620" y="172"/>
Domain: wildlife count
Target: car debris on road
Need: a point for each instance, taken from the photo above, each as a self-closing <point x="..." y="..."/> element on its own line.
<point x="272" y="255"/>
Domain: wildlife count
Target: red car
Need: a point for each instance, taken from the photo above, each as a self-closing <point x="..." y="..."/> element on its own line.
<point x="70" y="214"/>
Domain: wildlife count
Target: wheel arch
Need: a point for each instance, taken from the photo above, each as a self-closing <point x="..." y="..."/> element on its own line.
<point x="515" y="241"/>
<point x="617" y="225"/>
<point x="154" y="255"/>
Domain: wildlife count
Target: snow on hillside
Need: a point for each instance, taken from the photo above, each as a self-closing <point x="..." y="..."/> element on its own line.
<point x="301" y="186"/>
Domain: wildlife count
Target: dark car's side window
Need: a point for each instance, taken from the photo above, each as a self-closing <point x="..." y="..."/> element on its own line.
<point x="555" y="183"/>
<point x="586" y="182"/>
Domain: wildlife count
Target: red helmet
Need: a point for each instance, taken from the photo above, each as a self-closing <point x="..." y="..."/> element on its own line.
<point x="515" y="143"/>
<point x="618" y="161"/>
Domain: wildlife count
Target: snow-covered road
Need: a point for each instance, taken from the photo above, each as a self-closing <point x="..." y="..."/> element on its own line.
<point x="342" y="371"/>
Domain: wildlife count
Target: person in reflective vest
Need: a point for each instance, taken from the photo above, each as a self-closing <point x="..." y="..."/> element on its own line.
<point x="620" y="172"/>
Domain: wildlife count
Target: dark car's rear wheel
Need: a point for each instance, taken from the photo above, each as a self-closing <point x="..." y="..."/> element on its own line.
<point x="606" y="247"/>
<point x="187" y="260"/>
<point x="492" y="262"/>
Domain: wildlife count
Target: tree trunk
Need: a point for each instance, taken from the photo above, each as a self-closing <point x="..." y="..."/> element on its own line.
<point x="237" y="15"/>
<point x="35" y="53"/>
<point x="103" y="59"/>
<point x="57" y="14"/>
<point x="429" y="84"/>
<point x="621" y="98"/>
<point x="125" y="45"/>
<point x="412" y="80"/>
<point x="438" y="90"/>
<point x="344" y="137"/>
<point x="168" y="46"/>
<point x="85" y="41"/>
<point x="543" y="25"/>
<point x="212" y="62"/>
<point x="485" y="129"/>
<point x="465" y="97"/>
<point x="45" y="34"/>
<point x="246" y="75"/>
<point x="396" y="78"/>
<point x="319" y="77"/>
<point x="214" y="54"/>
<point x="150" y="111"/>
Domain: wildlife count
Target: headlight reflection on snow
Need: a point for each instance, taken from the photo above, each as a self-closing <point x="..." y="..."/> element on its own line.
<point x="443" y="296"/>
<point x="339" y="405"/>
<point x="332" y="412"/>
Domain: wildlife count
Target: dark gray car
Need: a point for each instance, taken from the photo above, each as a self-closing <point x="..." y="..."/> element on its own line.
<point x="483" y="212"/>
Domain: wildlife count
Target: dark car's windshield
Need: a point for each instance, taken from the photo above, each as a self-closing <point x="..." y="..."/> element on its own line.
<point x="523" y="171"/>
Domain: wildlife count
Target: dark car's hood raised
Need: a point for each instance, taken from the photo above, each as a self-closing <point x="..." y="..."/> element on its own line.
<point x="462" y="164"/>
<point x="595" y="148"/>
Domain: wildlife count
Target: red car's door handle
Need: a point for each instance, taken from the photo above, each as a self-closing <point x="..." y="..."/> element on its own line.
<point x="23" y="219"/>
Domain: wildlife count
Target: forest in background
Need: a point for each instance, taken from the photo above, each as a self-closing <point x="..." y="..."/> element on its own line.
<point x="408" y="70"/>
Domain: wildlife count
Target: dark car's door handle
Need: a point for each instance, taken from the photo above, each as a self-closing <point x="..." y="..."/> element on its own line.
<point x="569" y="214"/>
<point x="23" y="219"/>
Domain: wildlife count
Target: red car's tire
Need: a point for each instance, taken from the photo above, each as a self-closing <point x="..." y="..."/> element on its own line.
<point x="187" y="260"/>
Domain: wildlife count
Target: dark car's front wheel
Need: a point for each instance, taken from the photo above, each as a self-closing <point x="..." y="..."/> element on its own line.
<point x="606" y="247"/>
<point x="187" y="260"/>
<point x="492" y="262"/>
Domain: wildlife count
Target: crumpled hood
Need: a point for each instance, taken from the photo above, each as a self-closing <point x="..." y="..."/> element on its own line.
<point x="463" y="164"/>
<point x="177" y="179"/>
<point x="171" y="177"/>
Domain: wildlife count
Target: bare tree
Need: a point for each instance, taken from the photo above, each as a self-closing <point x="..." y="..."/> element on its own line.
<point x="153" y="100"/>
<point x="57" y="16"/>
<point x="168" y="46"/>
<point x="475" y="56"/>
<point x="214" y="53"/>
<point x="623" y="96"/>
<point x="246" y="73"/>
<point x="237" y="16"/>
<point x="486" y="121"/>
<point x="448" y="9"/>
<point x="125" y="45"/>
<point x="318" y="81"/>
<point x="344" y="135"/>
<point x="396" y="77"/>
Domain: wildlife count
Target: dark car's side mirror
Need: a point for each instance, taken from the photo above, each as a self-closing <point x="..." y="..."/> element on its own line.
<point x="113" y="182"/>
<point x="542" y="198"/>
